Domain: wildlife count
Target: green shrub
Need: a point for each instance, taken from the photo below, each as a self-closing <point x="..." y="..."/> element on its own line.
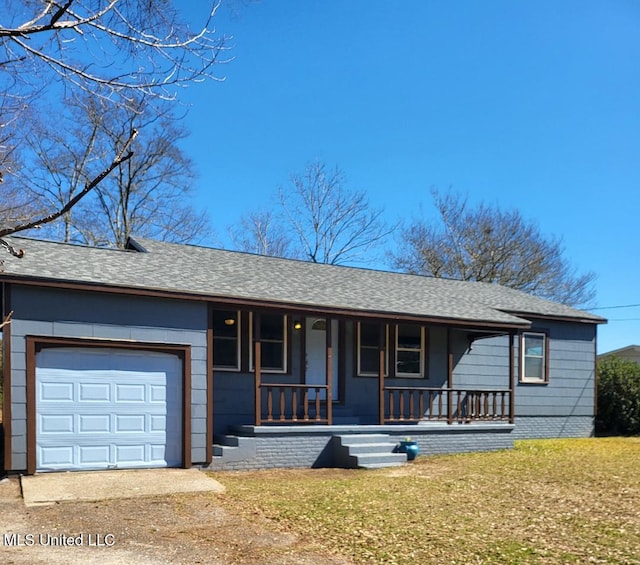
<point x="618" y="396"/>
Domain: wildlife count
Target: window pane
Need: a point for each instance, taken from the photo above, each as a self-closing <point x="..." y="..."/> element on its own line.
<point x="369" y="360"/>
<point x="533" y="368"/>
<point x="409" y="337"/>
<point x="408" y="362"/>
<point x="320" y="325"/>
<point x="534" y="345"/>
<point x="369" y="334"/>
<point x="225" y="353"/>
<point x="225" y="338"/>
<point x="273" y="355"/>
<point x="225" y="323"/>
<point x="272" y="327"/>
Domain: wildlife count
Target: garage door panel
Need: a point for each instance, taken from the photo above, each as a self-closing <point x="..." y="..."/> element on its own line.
<point x="132" y="423"/>
<point x="94" y="423"/>
<point x="94" y="455"/>
<point x="104" y="410"/>
<point x="130" y="393"/>
<point x="131" y="454"/>
<point x="56" y="424"/>
<point x="56" y="457"/>
<point x="94" y="392"/>
<point x="158" y="393"/>
<point x="157" y="423"/>
<point x="157" y="452"/>
<point x="56" y="392"/>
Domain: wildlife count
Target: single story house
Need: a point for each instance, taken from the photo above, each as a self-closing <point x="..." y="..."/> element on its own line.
<point x="629" y="353"/>
<point x="177" y="355"/>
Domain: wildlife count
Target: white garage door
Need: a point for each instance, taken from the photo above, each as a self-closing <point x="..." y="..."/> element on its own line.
<point x="107" y="409"/>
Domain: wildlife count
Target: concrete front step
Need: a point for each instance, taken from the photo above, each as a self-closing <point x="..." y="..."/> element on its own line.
<point x="367" y="451"/>
<point x="229" y="448"/>
<point x="359" y="439"/>
<point x="364" y="448"/>
<point x="377" y="460"/>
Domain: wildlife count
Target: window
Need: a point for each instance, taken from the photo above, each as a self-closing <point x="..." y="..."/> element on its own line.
<point x="534" y="357"/>
<point x="226" y="342"/>
<point x="368" y="352"/>
<point x="273" y="339"/>
<point x="409" y="351"/>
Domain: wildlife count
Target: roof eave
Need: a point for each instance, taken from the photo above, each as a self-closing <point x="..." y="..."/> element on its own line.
<point x="557" y="318"/>
<point x="298" y="308"/>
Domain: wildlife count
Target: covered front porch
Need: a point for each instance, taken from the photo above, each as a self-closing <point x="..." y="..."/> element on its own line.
<point x="322" y="389"/>
<point x="383" y="372"/>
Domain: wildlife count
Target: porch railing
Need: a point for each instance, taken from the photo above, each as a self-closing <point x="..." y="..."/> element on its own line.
<point x="293" y="404"/>
<point x="304" y="404"/>
<point x="413" y="404"/>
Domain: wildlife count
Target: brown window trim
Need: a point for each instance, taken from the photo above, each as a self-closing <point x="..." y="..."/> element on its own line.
<point x="391" y="353"/>
<point x="240" y="321"/>
<point x="533" y="382"/>
<point x="356" y="351"/>
<point x="424" y="353"/>
<point x="287" y="338"/>
<point x="246" y="347"/>
<point x="37" y="343"/>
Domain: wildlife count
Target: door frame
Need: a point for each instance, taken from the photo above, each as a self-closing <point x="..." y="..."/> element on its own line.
<point x="37" y="343"/>
<point x="310" y="321"/>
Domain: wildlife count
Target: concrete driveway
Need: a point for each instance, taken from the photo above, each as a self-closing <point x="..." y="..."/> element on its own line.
<point x="49" y="488"/>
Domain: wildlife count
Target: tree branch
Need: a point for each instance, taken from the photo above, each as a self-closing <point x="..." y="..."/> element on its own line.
<point x="7" y="320"/>
<point x="124" y="155"/>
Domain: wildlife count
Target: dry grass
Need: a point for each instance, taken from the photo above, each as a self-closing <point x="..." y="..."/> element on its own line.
<point x="552" y="501"/>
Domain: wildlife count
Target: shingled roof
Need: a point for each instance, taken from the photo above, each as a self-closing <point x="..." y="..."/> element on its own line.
<point x="215" y="274"/>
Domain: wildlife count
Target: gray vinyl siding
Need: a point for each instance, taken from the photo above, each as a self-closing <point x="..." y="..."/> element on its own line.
<point x="63" y="313"/>
<point x="361" y="393"/>
<point x="482" y="363"/>
<point x="233" y="400"/>
<point x="565" y="406"/>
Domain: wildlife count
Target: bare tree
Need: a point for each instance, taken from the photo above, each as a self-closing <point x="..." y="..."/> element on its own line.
<point x="261" y="232"/>
<point x="124" y="155"/>
<point x="148" y="195"/>
<point x="489" y="244"/>
<point x="116" y="51"/>
<point x="330" y="223"/>
<point x="104" y="47"/>
<point x="61" y="162"/>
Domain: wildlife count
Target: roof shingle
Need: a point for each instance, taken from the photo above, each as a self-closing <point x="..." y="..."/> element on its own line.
<point x="215" y="273"/>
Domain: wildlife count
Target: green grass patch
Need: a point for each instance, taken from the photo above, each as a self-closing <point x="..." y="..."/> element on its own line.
<point x="551" y="501"/>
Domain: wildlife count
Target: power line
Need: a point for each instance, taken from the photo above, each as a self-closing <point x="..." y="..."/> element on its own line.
<point x="612" y="307"/>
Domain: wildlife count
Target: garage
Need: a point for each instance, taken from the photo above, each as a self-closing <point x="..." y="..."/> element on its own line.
<point x="107" y="408"/>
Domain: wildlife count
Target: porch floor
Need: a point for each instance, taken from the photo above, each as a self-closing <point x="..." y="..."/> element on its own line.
<point x="392" y="429"/>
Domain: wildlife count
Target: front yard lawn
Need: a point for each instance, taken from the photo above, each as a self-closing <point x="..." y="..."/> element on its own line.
<point x="549" y="501"/>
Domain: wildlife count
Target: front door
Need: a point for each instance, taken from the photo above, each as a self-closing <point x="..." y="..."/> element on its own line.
<point x="316" y="350"/>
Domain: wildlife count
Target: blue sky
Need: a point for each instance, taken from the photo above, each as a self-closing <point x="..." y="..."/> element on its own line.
<point x="532" y="105"/>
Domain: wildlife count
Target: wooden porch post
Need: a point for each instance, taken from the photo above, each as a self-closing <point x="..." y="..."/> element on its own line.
<point x="381" y="363"/>
<point x="257" y="365"/>
<point x="449" y="377"/>
<point x="512" y="380"/>
<point x="329" y="371"/>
